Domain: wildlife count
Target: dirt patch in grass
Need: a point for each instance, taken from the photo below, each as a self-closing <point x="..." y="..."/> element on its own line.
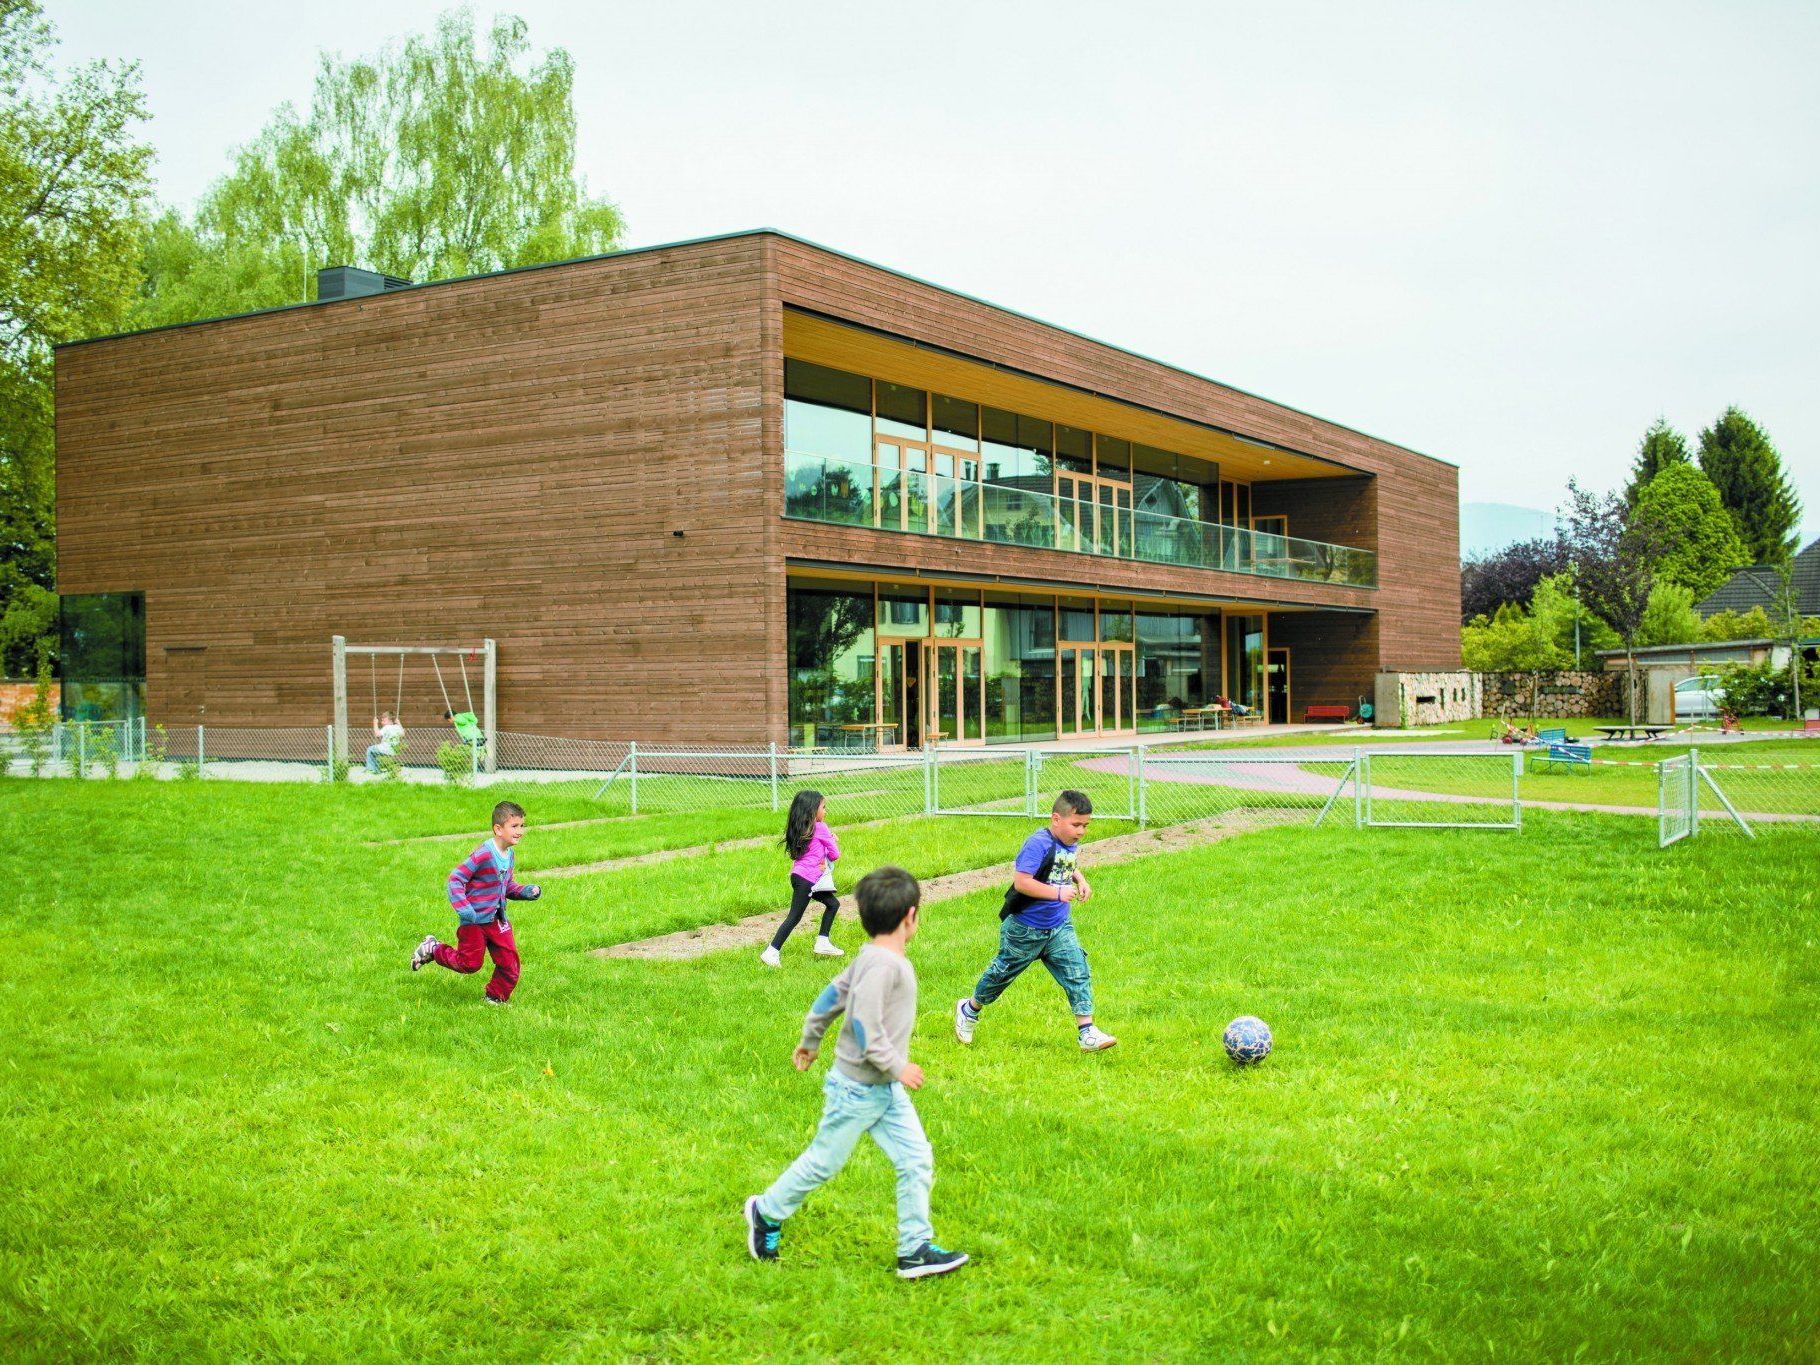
<point x="687" y="944"/>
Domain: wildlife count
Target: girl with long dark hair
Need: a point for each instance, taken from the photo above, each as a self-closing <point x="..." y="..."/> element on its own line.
<point x="813" y="852"/>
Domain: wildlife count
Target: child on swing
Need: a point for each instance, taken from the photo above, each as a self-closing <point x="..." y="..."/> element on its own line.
<point x="812" y="846"/>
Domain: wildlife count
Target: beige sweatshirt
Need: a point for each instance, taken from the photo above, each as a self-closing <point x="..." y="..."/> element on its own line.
<point x="877" y="993"/>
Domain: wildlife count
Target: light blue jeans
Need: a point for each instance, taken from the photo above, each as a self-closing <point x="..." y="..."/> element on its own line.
<point x="1058" y="949"/>
<point x="849" y="1110"/>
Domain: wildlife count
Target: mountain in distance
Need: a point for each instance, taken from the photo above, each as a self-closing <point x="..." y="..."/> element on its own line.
<point x="1489" y="526"/>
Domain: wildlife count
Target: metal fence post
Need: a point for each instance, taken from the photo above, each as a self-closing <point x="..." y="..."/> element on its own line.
<point x="329" y="733"/>
<point x="1140" y="806"/>
<point x="773" y="752"/>
<point x="81" y="750"/>
<point x="1358" y="793"/>
<point x="198" y="751"/>
<point x="1693" y="791"/>
<point x="632" y="756"/>
<point x="1365" y="773"/>
<point x="929" y="779"/>
<point x="1516" y="788"/>
<point x="1032" y="767"/>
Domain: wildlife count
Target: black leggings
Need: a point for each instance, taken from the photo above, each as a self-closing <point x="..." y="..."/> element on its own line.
<point x="799" y="902"/>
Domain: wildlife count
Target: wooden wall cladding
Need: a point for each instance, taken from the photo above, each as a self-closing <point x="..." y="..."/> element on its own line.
<point x="1417" y="498"/>
<point x="505" y="456"/>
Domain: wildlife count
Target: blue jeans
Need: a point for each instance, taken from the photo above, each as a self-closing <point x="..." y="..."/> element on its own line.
<point x="373" y="753"/>
<point x="1058" y="949"/>
<point x="849" y="1109"/>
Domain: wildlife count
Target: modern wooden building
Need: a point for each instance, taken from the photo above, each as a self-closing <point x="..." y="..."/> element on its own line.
<point x="742" y="489"/>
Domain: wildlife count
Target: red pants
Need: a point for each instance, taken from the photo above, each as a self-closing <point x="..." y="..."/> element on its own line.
<point x="472" y="944"/>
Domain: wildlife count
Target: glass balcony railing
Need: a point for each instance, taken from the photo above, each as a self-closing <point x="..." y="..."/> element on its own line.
<point x="853" y="493"/>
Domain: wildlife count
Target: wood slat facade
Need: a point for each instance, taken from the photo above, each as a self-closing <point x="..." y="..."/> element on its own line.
<point x="512" y="456"/>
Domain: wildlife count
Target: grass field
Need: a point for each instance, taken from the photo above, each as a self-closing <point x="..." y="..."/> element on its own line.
<point x="1509" y="1116"/>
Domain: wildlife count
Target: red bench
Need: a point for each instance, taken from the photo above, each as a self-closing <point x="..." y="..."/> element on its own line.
<point x="1810" y="727"/>
<point x="1314" y="713"/>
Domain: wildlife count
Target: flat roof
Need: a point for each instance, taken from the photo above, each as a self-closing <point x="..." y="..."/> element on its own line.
<point x="734" y="236"/>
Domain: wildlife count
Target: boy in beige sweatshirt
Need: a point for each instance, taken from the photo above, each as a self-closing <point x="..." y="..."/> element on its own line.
<point x="868" y="1087"/>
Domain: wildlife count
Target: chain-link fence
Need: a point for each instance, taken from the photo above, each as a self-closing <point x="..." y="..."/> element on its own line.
<point x="1427" y="786"/>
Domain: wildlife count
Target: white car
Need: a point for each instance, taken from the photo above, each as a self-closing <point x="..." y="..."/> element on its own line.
<point x="1699" y="698"/>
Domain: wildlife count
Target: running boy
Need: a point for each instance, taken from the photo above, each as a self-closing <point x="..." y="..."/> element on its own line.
<point x="1037" y="927"/>
<point x="868" y="1087"/>
<point x="479" y="890"/>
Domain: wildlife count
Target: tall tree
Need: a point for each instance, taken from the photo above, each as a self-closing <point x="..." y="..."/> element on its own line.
<point x="1660" y="447"/>
<point x="1702" y="545"/>
<point x="443" y="157"/>
<point x="73" y="183"/>
<point x="1736" y="454"/>
<point x="1614" y="556"/>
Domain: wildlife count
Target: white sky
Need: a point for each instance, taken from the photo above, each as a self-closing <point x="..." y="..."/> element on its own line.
<point x="1506" y="235"/>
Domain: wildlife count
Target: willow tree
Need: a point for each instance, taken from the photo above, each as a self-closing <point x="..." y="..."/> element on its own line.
<point x="448" y="155"/>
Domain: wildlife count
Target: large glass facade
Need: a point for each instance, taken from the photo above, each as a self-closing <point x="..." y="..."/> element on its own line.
<point x="894" y="667"/>
<point x="865" y="452"/>
<point x="102" y="649"/>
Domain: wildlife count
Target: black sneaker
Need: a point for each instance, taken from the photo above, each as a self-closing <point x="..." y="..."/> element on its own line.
<point x="761" y="1233"/>
<point x="929" y="1260"/>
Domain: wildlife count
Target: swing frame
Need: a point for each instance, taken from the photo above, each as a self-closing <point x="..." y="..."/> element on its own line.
<point x="489" y="655"/>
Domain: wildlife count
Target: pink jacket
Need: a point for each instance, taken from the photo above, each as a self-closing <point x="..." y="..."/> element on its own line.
<point x="822" y="850"/>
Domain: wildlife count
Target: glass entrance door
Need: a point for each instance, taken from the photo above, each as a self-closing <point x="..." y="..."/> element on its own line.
<point x="1276" y="676"/>
<point x="1098" y="688"/>
<point x="900" y="694"/>
<point x="956" y="711"/>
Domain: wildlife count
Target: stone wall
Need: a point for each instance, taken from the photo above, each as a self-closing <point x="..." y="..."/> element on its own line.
<point x="1565" y="694"/>
<point x="1404" y="699"/>
<point x="14" y="695"/>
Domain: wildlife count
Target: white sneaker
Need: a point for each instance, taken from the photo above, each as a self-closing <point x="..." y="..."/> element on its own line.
<point x="825" y="947"/>
<point x="964" y="1023"/>
<point x="424" y="952"/>
<point x="769" y="956"/>
<point x="1092" y="1040"/>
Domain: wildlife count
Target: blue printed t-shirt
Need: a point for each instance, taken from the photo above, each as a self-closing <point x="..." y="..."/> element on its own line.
<point x="1052" y="913"/>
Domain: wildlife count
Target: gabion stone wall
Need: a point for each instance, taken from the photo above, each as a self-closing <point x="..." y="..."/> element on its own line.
<point x="1425" y="698"/>
<point x="1566" y="694"/>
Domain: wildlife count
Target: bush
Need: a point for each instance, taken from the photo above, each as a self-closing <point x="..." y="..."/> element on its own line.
<point x="1756" y="689"/>
<point x="456" y="762"/>
<point x="338" y="768"/>
<point x="157" y="749"/>
<point x="34" y="723"/>
<point x="391" y="767"/>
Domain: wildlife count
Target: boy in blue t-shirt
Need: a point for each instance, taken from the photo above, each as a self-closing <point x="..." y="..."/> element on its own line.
<point x="1036" y="926"/>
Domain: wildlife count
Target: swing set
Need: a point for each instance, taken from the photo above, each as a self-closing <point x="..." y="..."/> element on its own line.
<point x="472" y="728"/>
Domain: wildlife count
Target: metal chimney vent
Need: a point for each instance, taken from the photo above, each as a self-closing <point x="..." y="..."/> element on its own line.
<point x="350" y="282"/>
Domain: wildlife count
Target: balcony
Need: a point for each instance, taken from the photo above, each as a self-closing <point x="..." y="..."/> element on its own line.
<point x="851" y="493"/>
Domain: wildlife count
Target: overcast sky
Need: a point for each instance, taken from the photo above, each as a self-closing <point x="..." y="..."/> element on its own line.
<point x="1506" y="235"/>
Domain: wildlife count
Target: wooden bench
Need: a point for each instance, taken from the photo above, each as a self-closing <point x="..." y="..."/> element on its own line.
<point x="1313" y="713"/>
<point x="1573" y="756"/>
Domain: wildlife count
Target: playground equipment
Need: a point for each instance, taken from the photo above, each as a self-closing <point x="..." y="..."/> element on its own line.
<point x="486" y="654"/>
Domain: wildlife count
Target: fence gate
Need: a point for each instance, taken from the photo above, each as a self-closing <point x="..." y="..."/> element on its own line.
<point x="1677" y="800"/>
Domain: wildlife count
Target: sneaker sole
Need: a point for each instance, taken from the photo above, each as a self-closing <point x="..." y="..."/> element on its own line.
<point x="964" y="1039"/>
<point x="752" y="1230"/>
<point x="923" y="1272"/>
<point x="1111" y="1042"/>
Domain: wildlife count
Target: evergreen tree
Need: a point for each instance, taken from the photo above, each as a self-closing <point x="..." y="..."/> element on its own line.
<point x="1736" y="454"/>
<point x="1660" y="447"/>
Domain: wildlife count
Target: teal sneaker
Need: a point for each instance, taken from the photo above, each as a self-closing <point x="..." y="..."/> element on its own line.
<point x="761" y="1233"/>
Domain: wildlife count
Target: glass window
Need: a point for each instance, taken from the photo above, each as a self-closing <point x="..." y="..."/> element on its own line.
<point x="957" y="424"/>
<point x="831" y="662"/>
<point x="902" y="411"/>
<point x="827" y="412"/>
<point x="1114" y="456"/>
<point x="1178" y="666"/>
<point x="903" y="613"/>
<point x="957" y="613"/>
<point x="1115" y="621"/>
<point x="102" y="655"/>
<point x="1077" y="619"/>
<point x="1074" y="450"/>
<point x="1245" y="660"/>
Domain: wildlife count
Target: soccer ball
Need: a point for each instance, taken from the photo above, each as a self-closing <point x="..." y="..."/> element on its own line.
<point x="1247" y="1039"/>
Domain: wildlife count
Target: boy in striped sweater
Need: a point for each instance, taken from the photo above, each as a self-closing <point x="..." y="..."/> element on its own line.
<point x="479" y="890"/>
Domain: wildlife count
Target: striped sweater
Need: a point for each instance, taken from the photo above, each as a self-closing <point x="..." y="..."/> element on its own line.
<point x="481" y="886"/>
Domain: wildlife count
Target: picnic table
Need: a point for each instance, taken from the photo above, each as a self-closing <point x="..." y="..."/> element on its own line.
<point x="1201" y="718"/>
<point x="869" y="735"/>
<point x="1645" y="732"/>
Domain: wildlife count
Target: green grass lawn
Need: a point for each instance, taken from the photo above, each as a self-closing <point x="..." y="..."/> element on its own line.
<point x="1511" y="1117"/>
